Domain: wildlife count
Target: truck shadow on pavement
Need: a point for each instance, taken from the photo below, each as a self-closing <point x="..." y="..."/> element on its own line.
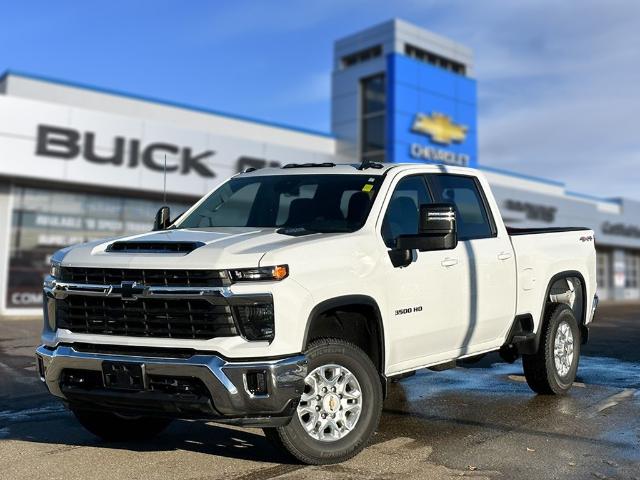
<point x="65" y="433"/>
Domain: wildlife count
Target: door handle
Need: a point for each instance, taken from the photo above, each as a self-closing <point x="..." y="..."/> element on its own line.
<point x="449" y="262"/>
<point x="504" y="255"/>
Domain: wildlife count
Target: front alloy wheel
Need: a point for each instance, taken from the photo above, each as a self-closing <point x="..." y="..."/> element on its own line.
<point x="340" y="406"/>
<point x="331" y="403"/>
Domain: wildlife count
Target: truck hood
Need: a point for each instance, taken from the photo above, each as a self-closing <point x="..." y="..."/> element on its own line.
<point x="221" y="247"/>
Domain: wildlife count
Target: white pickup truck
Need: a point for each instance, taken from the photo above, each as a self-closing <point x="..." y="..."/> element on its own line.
<point x="288" y="298"/>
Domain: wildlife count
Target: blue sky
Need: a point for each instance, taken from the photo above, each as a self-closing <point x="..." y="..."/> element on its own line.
<point x="558" y="81"/>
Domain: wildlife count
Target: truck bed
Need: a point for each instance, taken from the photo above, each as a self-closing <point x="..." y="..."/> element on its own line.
<point x="512" y="231"/>
<point x="542" y="254"/>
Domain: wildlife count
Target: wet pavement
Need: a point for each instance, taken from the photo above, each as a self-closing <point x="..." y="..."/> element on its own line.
<point x="480" y="421"/>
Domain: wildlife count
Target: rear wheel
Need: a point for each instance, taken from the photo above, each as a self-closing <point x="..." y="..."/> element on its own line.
<point x="552" y="369"/>
<point x="339" y="409"/>
<point x="120" y="428"/>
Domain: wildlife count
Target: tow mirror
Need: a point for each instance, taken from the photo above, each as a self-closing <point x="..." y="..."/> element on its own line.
<point x="436" y="231"/>
<point x="162" y="220"/>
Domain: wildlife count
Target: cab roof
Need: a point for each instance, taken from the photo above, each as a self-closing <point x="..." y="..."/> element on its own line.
<point x="354" y="169"/>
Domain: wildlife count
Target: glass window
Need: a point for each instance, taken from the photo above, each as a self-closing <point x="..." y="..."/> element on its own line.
<point x="373" y="134"/>
<point x="228" y="207"/>
<point x="373" y="117"/>
<point x="471" y="215"/>
<point x="401" y="217"/>
<point x="373" y="94"/>
<point x="361" y="56"/>
<point x="287" y="198"/>
<point x="44" y="221"/>
<point x="632" y="269"/>
<point x="311" y="202"/>
<point x="602" y="269"/>
<point x="433" y="59"/>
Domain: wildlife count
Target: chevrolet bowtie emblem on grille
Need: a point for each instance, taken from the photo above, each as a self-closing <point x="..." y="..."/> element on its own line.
<point x="127" y="290"/>
<point x="440" y="128"/>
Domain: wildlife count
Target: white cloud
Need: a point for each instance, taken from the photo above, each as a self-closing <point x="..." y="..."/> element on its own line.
<point x="558" y="88"/>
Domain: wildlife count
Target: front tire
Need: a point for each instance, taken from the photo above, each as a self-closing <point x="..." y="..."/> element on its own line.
<point x="552" y="369"/>
<point x="340" y="408"/>
<point x="119" y="428"/>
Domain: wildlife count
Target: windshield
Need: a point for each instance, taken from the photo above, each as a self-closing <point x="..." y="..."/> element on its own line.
<point x="322" y="203"/>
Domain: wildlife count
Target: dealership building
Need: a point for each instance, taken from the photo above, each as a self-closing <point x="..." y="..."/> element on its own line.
<point x="79" y="162"/>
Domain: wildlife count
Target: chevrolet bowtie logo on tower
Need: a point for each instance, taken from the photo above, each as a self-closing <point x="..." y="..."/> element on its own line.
<point x="440" y="128"/>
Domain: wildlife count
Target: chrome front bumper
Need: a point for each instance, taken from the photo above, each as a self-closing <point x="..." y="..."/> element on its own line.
<point x="228" y="398"/>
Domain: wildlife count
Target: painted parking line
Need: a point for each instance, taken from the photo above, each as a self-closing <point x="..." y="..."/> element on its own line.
<point x="610" y="402"/>
<point x="521" y="379"/>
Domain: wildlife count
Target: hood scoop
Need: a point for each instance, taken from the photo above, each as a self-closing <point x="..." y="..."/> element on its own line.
<point x="153" y="247"/>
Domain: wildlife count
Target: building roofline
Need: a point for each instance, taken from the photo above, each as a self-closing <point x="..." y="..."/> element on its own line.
<point x="520" y="175"/>
<point x="168" y="103"/>
<point x="568" y="193"/>
<point x="615" y="201"/>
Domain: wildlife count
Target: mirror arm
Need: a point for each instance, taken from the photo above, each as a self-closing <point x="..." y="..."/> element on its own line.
<point x="400" y="257"/>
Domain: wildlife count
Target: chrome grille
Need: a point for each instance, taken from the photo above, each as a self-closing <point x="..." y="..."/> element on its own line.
<point x="149" y="277"/>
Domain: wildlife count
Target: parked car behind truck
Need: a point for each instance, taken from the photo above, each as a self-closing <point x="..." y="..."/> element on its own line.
<point x="287" y="298"/>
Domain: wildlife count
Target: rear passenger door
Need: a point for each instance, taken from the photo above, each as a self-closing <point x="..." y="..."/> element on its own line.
<point x="485" y="258"/>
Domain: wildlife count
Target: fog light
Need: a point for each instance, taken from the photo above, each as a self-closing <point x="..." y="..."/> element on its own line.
<point x="257" y="382"/>
<point x="41" y="369"/>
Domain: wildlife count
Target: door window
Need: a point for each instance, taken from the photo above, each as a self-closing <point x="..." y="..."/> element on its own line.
<point x="401" y="217"/>
<point x="472" y="218"/>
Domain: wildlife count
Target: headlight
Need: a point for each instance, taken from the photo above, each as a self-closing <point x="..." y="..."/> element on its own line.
<point x="277" y="272"/>
<point x="54" y="270"/>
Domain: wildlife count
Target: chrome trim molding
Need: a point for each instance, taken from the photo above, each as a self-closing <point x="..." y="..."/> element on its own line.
<point x="132" y="291"/>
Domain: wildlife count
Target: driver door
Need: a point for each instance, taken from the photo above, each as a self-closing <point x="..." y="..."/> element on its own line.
<point x="424" y="299"/>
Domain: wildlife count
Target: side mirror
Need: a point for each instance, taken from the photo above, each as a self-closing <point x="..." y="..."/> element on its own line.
<point x="436" y="229"/>
<point x="162" y="221"/>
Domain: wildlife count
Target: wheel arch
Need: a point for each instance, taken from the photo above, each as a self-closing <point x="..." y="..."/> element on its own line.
<point x="580" y="313"/>
<point x="352" y="303"/>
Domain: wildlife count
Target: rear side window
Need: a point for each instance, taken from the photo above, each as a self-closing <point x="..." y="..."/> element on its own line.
<point x="471" y="213"/>
<point x="401" y="217"/>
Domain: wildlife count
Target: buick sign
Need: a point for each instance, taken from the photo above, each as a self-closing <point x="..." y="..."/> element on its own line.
<point x="68" y="144"/>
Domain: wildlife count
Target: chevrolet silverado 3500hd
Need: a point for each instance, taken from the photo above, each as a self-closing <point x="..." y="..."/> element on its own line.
<point x="288" y="297"/>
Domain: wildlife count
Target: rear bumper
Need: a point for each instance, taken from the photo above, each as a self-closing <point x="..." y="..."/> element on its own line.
<point x="197" y="386"/>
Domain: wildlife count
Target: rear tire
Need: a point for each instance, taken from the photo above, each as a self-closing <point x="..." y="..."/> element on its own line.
<point x="350" y="392"/>
<point x="552" y="369"/>
<point x="116" y="428"/>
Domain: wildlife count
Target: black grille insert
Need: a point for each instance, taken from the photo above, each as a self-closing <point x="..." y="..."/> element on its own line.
<point x="184" y="386"/>
<point x="145" y="317"/>
<point x="148" y="277"/>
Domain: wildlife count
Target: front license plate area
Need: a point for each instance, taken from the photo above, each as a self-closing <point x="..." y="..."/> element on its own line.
<point x="123" y="376"/>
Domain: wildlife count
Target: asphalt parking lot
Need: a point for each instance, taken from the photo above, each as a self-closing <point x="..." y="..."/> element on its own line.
<point x="478" y="421"/>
